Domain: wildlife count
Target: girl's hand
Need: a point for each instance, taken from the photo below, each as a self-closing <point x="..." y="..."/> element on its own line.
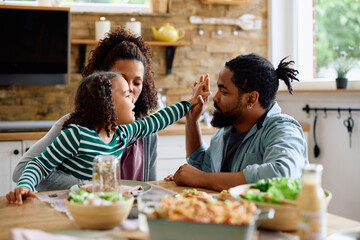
<point x="201" y="90"/>
<point x="18" y="194"/>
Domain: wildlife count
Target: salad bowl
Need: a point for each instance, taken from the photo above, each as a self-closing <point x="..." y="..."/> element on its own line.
<point x="286" y="212"/>
<point x="98" y="216"/>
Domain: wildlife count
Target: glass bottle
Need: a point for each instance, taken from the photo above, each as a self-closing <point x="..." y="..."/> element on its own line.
<point x="312" y="222"/>
<point x="106" y="173"/>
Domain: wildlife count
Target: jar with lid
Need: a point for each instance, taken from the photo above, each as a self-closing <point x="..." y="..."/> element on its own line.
<point x="106" y="173"/>
<point x="311" y="203"/>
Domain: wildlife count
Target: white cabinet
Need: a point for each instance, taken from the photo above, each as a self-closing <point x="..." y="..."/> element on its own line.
<point x="172" y="154"/>
<point x="26" y="144"/>
<point x="10" y="154"/>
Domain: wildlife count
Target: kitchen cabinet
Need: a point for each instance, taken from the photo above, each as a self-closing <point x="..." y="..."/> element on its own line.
<point x="10" y="154"/>
<point x="172" y="154"/>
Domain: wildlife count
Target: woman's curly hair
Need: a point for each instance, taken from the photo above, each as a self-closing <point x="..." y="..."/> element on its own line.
<point x="119" y="45"/>
<point x="94" y="106"/>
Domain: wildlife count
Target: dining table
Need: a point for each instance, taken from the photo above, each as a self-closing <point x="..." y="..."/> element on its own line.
<point x="36" y="214"/>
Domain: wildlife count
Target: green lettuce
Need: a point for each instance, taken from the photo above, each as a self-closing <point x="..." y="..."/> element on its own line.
<point x="276" y="189"/>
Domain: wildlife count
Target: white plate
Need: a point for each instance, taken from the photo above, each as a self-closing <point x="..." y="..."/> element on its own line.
<point x="130" y="183"/>
<point x="236" y="191"/>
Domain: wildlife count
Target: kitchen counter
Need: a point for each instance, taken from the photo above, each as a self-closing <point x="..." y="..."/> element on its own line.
<point x="175" y="129"/>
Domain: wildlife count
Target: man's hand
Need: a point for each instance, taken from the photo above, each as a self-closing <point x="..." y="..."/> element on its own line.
<point x="18" y="194"/>
<point x="169" y="178"/>
<point x="188" y="175"/>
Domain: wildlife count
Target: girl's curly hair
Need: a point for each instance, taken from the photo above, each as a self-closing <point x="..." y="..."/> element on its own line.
<point x="94" y="106"/>
<point x="121" y="44"/>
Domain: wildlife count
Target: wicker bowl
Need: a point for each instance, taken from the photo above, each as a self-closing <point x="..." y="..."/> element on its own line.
<point x="100" y="217"/>
<point x="286" y="215"/>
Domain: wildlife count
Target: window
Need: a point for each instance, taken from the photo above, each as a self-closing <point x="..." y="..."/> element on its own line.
<point x="110" y="6"/>
<point x="337" y="31"/>
<point x="308" y="31"/>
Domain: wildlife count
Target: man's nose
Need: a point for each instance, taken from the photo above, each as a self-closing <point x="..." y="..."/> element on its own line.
<point x="216" y="97"/>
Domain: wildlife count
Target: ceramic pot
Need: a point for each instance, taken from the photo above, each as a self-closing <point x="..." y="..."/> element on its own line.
<point x="341" y="83"/>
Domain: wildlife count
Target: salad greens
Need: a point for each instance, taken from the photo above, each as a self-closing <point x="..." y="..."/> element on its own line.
<point x="275" y="189"/>
<point x="100" y="198"/>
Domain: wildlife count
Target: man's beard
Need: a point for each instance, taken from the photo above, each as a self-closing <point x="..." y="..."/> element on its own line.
<point x="220" y="120"/>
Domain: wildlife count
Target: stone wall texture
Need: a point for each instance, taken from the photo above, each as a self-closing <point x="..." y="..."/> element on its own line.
<point x="205" y="54"/>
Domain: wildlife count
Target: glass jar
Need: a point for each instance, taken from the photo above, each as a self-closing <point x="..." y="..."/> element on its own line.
<point x="311" y="202"/>
<point x="106" y="173"/>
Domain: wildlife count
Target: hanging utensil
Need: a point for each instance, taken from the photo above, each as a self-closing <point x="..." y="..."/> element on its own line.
<point x="349" y="124"/>
<point x="316" y="147"/>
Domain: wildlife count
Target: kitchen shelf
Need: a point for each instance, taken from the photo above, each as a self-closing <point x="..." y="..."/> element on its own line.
<point x="170" y="50"/>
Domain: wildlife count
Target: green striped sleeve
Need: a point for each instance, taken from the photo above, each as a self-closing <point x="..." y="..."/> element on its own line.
<point x="64" y="146"/>
<point x="156" y="122"/>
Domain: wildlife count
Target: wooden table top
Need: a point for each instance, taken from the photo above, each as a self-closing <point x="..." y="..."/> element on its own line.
<point x="34" y="214"/>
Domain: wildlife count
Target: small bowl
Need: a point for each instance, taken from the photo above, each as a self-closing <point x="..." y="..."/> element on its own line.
<point x="100" y="217"/>
<point x="286" y="215"/>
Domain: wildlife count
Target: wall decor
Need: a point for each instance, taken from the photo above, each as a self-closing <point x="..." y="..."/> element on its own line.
<point x="245" y="22"/>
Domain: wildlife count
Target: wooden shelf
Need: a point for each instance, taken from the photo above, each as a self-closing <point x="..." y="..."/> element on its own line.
<point x="84" y="41"/>
<point x="35" y="8"/>
<point x="227" y="2"/>
<point x="151" y="43"/>
<point x="170" y="50"/>
<point x="167" y="44"/>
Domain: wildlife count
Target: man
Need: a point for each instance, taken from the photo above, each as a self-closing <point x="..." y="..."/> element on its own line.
<point x="254" y="141"/>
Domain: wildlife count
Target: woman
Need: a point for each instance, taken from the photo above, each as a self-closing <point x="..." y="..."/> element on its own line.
<point x="129" y="55"/>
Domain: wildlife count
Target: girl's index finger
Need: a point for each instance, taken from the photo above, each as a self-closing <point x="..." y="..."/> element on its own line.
<point x="18" y="197"/>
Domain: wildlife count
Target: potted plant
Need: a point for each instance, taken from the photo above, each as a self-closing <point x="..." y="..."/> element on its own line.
<point x="343" y="63"/>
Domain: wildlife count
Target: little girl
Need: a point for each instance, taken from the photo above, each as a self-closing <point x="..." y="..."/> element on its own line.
<point x="103" y="105"/>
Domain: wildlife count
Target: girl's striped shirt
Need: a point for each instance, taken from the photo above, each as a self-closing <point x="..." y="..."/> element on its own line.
<point x="73" y="151"/>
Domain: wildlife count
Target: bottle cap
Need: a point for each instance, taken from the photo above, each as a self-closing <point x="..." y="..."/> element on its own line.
<point x="132" y="19"/>
<point x="102" y="18"/>
<point x="313" y="167"/>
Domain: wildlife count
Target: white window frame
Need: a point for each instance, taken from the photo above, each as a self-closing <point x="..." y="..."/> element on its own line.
<point x="291" y="34"/>
<point x="95" y="7"/>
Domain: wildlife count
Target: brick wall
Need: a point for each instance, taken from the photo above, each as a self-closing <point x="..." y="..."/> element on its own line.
<point x="205" y="54"/>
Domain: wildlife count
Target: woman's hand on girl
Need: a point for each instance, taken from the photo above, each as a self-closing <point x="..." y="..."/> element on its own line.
<point x="18" y="194"/>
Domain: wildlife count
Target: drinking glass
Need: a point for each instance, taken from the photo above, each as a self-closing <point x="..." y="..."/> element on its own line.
<point x="146" y="203"/>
